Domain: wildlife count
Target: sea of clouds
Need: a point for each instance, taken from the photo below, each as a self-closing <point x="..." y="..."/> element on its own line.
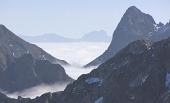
<point x="37" y="90"/>
<point x="77" y="54"/>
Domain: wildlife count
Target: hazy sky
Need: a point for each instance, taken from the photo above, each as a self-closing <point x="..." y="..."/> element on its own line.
<point x="73" y="18"/>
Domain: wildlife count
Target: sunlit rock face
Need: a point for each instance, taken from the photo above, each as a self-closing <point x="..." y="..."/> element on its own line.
<point x="24" y="65"/>
<point x="134" y="25"/>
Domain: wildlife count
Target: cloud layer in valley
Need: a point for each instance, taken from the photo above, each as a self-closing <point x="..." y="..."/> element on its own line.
<point x="77" y="54"/>
<point x="37" y="90"/>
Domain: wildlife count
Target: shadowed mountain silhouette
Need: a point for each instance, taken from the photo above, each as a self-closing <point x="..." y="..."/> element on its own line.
<point x="134" y="25"/>
<point x="24" y="65"/>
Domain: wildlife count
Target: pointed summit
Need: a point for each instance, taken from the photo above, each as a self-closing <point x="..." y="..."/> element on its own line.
<point x="135" y="16"/>
<point x="133" y="9"/>
<point x="5" y="33"/>
<point x="134" y="25"/>
<point x="2" y="29"/>
<point x="1" y="25"/>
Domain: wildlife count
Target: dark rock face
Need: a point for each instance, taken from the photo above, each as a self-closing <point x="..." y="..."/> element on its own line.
<point x="5" y="99"/>
<point x="161" y="32"/>
<point x="27" y="72"/>
<point x="23" y="65"/>
<point x="134" y="25"/>
<point x="136" y="74"/>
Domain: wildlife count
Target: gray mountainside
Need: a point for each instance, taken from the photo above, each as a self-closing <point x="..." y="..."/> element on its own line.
<point x="134" y="25"/>
<point x="138" y="73"/>
<point x="23" y="65"/>
<point x="13" y="47"/>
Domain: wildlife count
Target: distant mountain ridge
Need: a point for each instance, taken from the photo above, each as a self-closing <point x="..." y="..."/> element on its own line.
<point x="134" y="25"/>
<point x="47" y="38"/>
<point x="94" y="36"/>
<point x="13" y="46"/>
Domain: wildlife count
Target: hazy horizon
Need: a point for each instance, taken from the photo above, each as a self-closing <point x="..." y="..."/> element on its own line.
<point x="73" y="18"/>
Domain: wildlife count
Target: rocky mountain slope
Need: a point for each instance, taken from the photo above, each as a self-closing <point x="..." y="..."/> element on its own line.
<point x="23" y="65"/>
<point x="134" y="25"/>
<point x="13" y="46"/>
<point x="138" y="73"/>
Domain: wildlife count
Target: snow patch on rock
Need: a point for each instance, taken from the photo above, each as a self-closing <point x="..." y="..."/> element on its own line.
<point x="99" y="100"/>
<point x="157" y="27"/>
<point x="10" y="45"/>
<point x="94" y="80"/>
<point x="167" y="82"/>
<point x="139" y="80"/>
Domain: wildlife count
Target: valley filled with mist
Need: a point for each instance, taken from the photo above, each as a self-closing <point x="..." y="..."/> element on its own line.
<point x="77" y="54"/>
<point x="85" y="51"/>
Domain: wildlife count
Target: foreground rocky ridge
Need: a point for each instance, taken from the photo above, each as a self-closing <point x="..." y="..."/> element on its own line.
<point x="134" y="25"/>
<point x="136" y="74"/>
<point x="24" y="65"/>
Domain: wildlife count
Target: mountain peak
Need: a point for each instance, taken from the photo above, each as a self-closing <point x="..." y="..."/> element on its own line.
<point x="135" y="20"/>
<point x="136" y="14"/>
<point x="133" y="9"/>
<point x="2" y="27"/>
<point x="134" y="25"/>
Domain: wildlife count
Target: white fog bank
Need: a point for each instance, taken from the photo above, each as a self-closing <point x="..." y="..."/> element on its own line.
<point x="74" y="72"/>
<point x="37" y="90"/>
<point x="77" y="54"/>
